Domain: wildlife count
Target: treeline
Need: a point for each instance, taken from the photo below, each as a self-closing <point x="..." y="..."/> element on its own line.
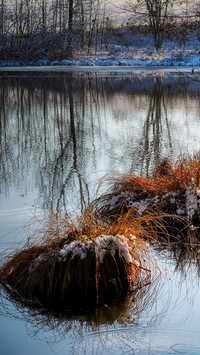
<point x="56" y="29"/>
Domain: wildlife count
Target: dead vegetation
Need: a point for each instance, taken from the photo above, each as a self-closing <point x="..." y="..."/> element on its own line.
<point x="90" y="265"/>
<point x="163" y="194"/>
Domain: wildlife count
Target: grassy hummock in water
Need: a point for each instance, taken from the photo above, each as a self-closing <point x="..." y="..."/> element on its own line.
<point x="173" y="192"/>
<point x="74" y="266"/>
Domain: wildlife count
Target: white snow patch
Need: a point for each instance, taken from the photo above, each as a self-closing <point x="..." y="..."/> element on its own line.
<point x="180" y="211"/>
<point x="191" y="200"/>
<point x="141" y="206"/>
<point x="101" y="245"/>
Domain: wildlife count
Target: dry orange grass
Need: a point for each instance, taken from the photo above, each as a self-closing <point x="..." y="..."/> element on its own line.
<point x="134" y="188"/>
<point x="175" y="178"/>
<point x="90" y="226"/>
<point x="36" y="274"/>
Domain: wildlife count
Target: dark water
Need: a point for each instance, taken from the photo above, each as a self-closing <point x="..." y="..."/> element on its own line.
<point x="60" y="135"/>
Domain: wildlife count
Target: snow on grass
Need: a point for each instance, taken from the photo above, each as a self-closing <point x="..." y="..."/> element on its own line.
<point x="138" y="51"/>
<point x="103" y="244"/>
<point x="165" y="58"/>
<point x="192" y="200"/>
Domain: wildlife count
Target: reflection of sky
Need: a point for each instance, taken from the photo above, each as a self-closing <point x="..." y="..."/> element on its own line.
<point x="185" y="128"/>
<point x="18" y="216"/>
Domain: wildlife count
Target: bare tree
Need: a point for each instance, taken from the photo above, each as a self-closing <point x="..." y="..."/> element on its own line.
<point x="70" y="27"/>
<point x="155" y="13"/>
<point x="2" y="14"/>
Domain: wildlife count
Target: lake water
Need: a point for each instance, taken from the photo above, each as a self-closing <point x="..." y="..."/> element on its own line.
<point x="62" y="135"/>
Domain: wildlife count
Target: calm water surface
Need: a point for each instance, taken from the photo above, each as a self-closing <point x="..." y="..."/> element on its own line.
<point x="61" y="135"/>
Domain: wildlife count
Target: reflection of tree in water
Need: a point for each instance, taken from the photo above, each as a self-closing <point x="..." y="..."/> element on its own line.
<point x="50" y="134"/>
<point x="74" y="169"/>
<point x="44" y="135"/>
<point x="4" y="148"/>
<point x="56" y="132"/>
<point x="150" y="145"/>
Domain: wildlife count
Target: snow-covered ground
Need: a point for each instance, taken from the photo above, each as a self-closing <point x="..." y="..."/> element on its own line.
<point x="137" y="52"/>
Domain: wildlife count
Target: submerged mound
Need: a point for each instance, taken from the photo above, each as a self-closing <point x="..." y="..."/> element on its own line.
<point x="173" y="190"/>
<point x="75" y="272"/>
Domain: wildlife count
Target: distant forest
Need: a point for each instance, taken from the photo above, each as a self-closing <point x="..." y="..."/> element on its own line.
<point x="59" y="29"/>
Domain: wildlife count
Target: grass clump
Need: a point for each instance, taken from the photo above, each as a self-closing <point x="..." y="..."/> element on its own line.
<point x="173" y="191"/>
<point x="74" y="265"/>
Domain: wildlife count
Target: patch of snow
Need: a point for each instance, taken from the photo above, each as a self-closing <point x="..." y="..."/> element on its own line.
<point x="114" y="201"/>
<point x="141" y="206"/>
<point x="191" y="200"/>
<point x="85" y="62"/>
<point x="42" y="62"/>
<point x="67" y="62"/>
<point x="180" y="211"/>
<point x="103" y="62"/>
<point x="10" y="63"/>
<point x="76" y="248"/>
<point x="101" y="245"/>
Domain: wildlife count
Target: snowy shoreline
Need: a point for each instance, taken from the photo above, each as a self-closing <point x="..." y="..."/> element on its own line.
<point x="119" y="59"/>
